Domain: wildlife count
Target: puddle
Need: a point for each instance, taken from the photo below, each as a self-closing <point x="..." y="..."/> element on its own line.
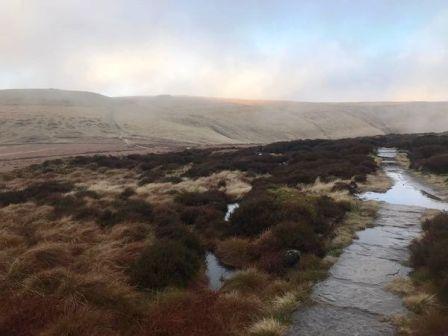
<point x="352" y="300"/>
<point x="406" y="190"/>
<point x="216" y="272"/>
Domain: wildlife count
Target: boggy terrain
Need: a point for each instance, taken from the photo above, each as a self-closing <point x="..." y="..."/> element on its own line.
<point x="108" y="245"/>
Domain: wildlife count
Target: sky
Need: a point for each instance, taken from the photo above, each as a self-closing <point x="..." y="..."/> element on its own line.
<point x="316" y="50"/>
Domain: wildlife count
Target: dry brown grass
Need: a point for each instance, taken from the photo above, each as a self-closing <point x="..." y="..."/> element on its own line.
<point x="267" y="327"/>
<point x="326" y="189"/>
<point x="419" y="302"/>
<point x="378" y="182"/>
<point x="234" y="183"/>
<point x="403" y="160"/>
<point x="401" y="286"/>
<point x="77" y="264"/>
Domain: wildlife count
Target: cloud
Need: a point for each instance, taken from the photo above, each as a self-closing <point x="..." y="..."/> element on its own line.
<point x="299" y="50"/>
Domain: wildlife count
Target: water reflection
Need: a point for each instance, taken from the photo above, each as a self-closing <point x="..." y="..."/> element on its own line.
<point x="406" y="190"/>
<point x="216" y="272"/>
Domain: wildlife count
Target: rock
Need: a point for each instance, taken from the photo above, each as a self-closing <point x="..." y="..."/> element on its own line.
<point x="292" y="257"/>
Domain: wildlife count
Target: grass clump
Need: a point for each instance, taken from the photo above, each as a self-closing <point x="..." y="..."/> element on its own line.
<point x="234" y="252"/>
<point x="247" y="282"/>
<point x="267" y="327"/>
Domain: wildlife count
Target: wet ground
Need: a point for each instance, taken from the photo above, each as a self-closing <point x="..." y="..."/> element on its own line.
<point x="217" y="273"/>
<point x="352" y="300"/>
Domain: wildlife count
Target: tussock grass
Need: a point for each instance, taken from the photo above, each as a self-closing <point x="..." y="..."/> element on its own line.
<point x="44" y="256"/>
<point x="401" y="286"/>
<point x="377" y="182"/>
<point x="247" y="282"/>
<point x="267" y="327"/>
<point x="327" y="188"/>
<point x="420" y="302"/>
<point x="284" y="305"/>
<point x="234" y="252"/>
<point x="234" y="184"/>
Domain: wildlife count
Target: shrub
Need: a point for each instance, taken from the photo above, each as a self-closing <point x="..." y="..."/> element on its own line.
<point x="165" y="215"/>
<point x="214" y="198"/>
<point x="272" y="263"/>
<point x="436" y="164"/>
<point x="165" y="263"/>
<point x="67" y="205"/>
<point x="182" y="234"/>
<point x="12" y="197"/>
<point x="430" y="252"/>
<point x="200" y="216"/>
<point x="130" y="210"/>
<point x="135" y="210"/>
<point x="126" y="193"/>
<point x="255" y="214"/>
<point x="40" y="193"/>
<point x="299" y="236"/>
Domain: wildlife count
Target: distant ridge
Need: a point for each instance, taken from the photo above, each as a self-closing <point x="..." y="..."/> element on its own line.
<point x="51" y="115"/>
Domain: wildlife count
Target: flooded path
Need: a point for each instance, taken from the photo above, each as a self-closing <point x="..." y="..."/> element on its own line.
<point x="353" y="299"/>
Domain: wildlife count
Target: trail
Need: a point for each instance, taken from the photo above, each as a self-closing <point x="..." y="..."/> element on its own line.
<point x="353" y="299"/>
<point x="121" y="134"/>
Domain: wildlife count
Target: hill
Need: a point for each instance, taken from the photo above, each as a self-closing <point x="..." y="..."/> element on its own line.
<point x="56" y="116"/>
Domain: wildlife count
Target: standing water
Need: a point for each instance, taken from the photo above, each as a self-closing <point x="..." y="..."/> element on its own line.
<point x="230" y="210"/>
<point x="217" y="273"/>
<point x="353" y="299"/>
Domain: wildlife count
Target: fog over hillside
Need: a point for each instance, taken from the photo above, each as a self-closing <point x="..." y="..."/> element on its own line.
<point x="55" y="116"/>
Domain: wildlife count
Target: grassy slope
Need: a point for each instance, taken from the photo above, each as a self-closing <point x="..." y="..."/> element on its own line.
<point x="31" y="116"/>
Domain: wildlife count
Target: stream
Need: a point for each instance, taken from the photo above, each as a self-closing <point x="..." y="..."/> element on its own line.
<point x="217" y="273"/>
<point x="352" y="300"/>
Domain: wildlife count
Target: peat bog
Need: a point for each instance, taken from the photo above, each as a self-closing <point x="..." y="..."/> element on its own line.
<point x="108" y="245"/>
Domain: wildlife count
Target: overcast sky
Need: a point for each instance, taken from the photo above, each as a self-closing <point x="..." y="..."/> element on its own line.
<point x="316" y="50"/>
